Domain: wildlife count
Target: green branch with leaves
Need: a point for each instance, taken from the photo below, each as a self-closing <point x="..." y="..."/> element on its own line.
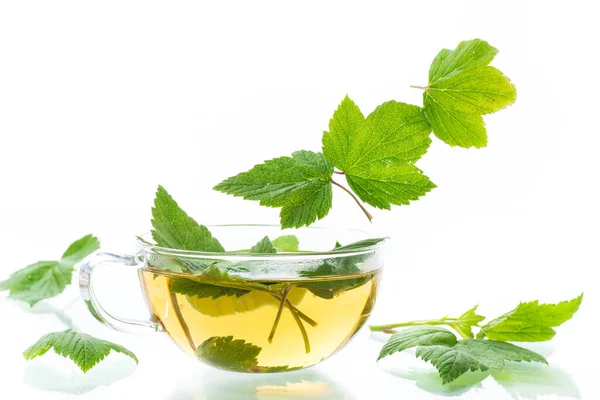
<point x="528" y="322"/>
<point x="377" y="154"/>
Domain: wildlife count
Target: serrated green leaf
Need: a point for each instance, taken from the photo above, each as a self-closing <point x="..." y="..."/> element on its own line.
<point x="465" y="323"/>
<point x="226" y="353"/>
<point x="286" y="243"/>
<point x="175" y="229"/>
<point x="377" y="155"/>
<point x="46" y="279"/>
<point x="496" y="352"/>
<point x="329" y="288"/>
<point x="530" y="322"/>
<point x="473" y="355"/>
<point x="450" y="361"/>
<point x="300" y="185"/>
<point x="39" y="281"/>
<point x="86" y="351"/>
<point x="342" y="127"/>
<point x="235" y="355"/>
<point x="313" y="164"/>
<point x="201" y="290"/>
<point x="307" y="204"/>
<point x="467" y="55"/>
<point x="467" y="95"/>
<point x="393" y="132"/>
<point x="417" y="336"/>
<point x="454" y="127"/>
<point x="211" y="283"/>
<point x="384" y="184"/>
<point x="264" y="246"/>
<point x="462" y="87"/>
<point x="80" y="249"/>
<point x="328" y="268"/>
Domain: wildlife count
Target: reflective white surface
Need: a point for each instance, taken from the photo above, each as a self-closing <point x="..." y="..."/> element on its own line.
<point x="165" y="373"/>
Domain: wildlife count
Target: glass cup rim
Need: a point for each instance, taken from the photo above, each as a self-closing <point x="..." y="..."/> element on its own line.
<point x="144" y="244"/>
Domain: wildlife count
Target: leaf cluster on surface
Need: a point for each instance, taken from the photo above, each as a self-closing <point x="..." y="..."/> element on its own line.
<point x="529" y="322"/>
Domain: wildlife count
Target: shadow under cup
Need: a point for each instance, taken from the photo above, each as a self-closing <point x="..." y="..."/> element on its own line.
<point x="247" y="311"/>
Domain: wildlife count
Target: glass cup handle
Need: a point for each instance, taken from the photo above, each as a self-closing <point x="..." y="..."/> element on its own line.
<point x="86" y="287"/>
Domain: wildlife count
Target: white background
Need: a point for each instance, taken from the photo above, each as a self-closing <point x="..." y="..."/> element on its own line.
<point x="102" y="101"/>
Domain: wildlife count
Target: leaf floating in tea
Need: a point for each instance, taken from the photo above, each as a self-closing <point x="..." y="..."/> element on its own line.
<point x="229" y="354"/>
<point x="361" y="244"/>
<point x="264" y="246"/>
<point x="286" y="243"/>
<point x="228" y="305"/>
<point x="211" y="283"/>
<point x="86" y="351"/>
<point x="235" y="355"/>
<point x="46" y="279"/>
<point x="329" y="288"/>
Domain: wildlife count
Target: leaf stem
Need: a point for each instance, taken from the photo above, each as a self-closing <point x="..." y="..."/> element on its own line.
<point x="291" y="307"/>
<point x="389" y="327"/>
<point x="362" y="207"/>
<point x="419" y="87"/>
<point x="339" y="172"/>
<point x="279" y="311"/>
<point x="182" y="323"/>
<point x="302" y="331"/>
<point x="300" y="314"/>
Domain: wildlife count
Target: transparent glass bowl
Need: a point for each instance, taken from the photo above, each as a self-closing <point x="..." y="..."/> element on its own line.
<point x="253" y="312"/>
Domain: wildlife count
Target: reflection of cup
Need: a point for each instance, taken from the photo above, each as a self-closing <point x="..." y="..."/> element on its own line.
<point x="306" y="385"/>
<point x="253" y="312"/>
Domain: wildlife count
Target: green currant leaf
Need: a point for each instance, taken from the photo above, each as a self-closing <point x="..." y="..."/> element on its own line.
<point x="530" y="322"/>
<point x="461" y="88"/>
<point x="300" y="185"/>
<point x="86" y="351"/>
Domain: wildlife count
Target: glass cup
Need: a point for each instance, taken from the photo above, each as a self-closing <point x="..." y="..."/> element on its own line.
<point x="252" y="312"/>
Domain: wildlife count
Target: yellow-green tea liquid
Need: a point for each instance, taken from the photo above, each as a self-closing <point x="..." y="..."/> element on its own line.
<point x="250" y="317"/>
